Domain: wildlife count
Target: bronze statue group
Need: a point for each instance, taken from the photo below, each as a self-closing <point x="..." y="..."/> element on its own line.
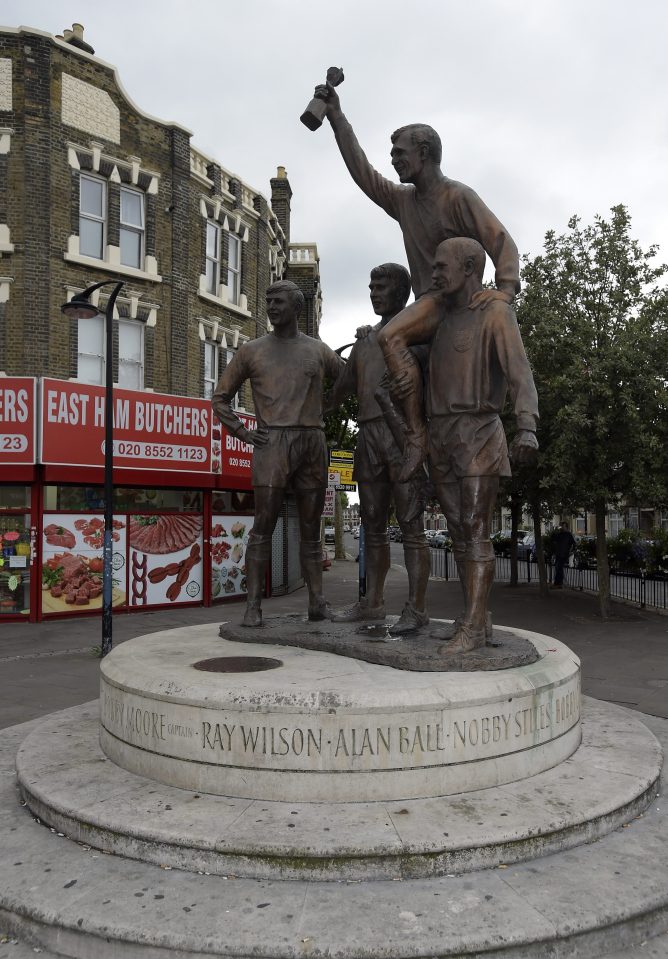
<point x="431" y="379"/>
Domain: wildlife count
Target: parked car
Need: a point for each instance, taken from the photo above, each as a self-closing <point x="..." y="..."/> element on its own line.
<point x="441" y="540"/>
<point x="526" y="547"/>
<point x="346" y="528"/>
<point x="501" y="541"/>
<point x="330" y="534"/>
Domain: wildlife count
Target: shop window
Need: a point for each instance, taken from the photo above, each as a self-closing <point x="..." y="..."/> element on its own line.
<point x="126" y="499"/>
<point x="233" y="268"/>
<point x="14" y="560"/>
<point x="212" y="271"/>
<point x="92" y="216"/>
<point x="130" y="355"/>
<point x="581" y="525"/>
<point x="131" y="235"/>
<point x="90" y="350"/>
<point x="232" y="501"/>
<point x="162" y="500"/>
<point x="14" y="497"/>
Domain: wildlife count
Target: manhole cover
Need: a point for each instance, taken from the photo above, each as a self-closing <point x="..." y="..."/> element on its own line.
<point x="237" y="664"/>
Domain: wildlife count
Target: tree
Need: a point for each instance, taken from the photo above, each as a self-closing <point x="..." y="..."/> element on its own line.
<point x="593" y="319"/>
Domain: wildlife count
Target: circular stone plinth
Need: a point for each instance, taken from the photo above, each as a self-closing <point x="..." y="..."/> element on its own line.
<point x="68" y="783"/>
<point x="325" y="728"/>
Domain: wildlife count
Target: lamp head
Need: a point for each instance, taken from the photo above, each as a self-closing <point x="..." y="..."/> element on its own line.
<point x="79" y="308"/>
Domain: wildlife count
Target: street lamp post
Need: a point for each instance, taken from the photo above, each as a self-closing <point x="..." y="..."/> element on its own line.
<point x="80" y="308"/>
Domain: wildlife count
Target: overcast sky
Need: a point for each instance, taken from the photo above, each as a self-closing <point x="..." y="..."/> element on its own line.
<point x="545" y="107"/>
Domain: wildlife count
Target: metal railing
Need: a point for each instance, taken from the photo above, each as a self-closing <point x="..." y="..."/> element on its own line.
<point x="631" y="587"/>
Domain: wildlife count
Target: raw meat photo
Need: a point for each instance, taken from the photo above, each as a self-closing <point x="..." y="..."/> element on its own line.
<point x="59" y="536"/>
<point x="70" y="581"/>
<point x="163" y="534"/>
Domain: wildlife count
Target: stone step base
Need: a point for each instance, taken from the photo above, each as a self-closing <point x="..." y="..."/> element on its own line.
<point x="69" y="784"/>
<point x="592" y="901"/>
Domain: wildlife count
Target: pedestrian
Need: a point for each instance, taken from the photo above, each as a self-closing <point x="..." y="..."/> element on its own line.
<point x="563" y="545"/>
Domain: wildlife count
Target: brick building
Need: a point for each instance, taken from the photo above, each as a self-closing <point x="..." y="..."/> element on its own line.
<point x="92" y="188"/>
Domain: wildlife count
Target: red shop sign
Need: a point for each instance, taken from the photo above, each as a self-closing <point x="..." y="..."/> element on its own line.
<point x="228" y="454"/>
<point x="17" y="420"/>
<point x="151" y="430"/>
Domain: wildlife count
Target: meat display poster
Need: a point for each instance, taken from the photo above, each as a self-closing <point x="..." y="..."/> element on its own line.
<point x="151" y="430"/>
<point x="229" y="539"/>
<point x="165" y="559"/>
<point x="72" y="562"/>
<point x="17" y="421"/>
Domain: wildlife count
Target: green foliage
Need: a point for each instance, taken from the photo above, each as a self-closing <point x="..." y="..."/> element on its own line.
<point x="594" y="322"/>
<point x="631" y="552"/>
<point x="341" y="424"/>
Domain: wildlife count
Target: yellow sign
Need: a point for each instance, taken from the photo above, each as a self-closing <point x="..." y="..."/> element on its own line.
<point x="345" y="473"/>
<point x="341" y="456"/>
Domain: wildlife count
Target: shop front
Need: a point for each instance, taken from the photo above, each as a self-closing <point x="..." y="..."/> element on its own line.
<point x="183" y="503"/>
<point x="19" y="498"/>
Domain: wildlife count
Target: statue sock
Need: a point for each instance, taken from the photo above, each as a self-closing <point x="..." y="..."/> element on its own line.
<point x="310" y="555"/>
<point x="258" y="554"/>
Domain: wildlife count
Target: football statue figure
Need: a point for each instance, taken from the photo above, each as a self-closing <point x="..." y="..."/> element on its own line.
<point x="286" y="370"/>
<point x="378" y="463"/>
<point x="430" y="208"/>
<point x="476" y="357"/>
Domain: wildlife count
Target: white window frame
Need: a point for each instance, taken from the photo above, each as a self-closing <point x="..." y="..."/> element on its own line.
<point x="122" y="361"/>
<point x="234" y="274"/>
<point x="139" y="231"/>
<point x="91" y="216"/>
<point x="615" y="524"/>
<point x="217" y="369"/>
<point x="213" y="283"/>
<point x="211" y="348"/>
<point x="100" y="357"/>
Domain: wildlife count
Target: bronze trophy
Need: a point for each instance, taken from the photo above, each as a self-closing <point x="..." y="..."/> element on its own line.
<point x="314" y="113"/>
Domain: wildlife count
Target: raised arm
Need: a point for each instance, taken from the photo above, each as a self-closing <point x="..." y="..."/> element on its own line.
<point x="378" y="188"/>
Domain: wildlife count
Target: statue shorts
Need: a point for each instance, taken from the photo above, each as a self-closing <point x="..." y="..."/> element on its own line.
<point x="467" y="444"/>
<point x="377" y="456"/>
<point x="294" y="458"/>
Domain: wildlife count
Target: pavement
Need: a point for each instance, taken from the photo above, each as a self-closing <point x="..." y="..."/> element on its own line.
<point x="51" y="665"/>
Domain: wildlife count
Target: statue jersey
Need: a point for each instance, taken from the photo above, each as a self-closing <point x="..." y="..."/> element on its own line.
<point x="476" y="356"/>
<point x="286" y="376"/>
